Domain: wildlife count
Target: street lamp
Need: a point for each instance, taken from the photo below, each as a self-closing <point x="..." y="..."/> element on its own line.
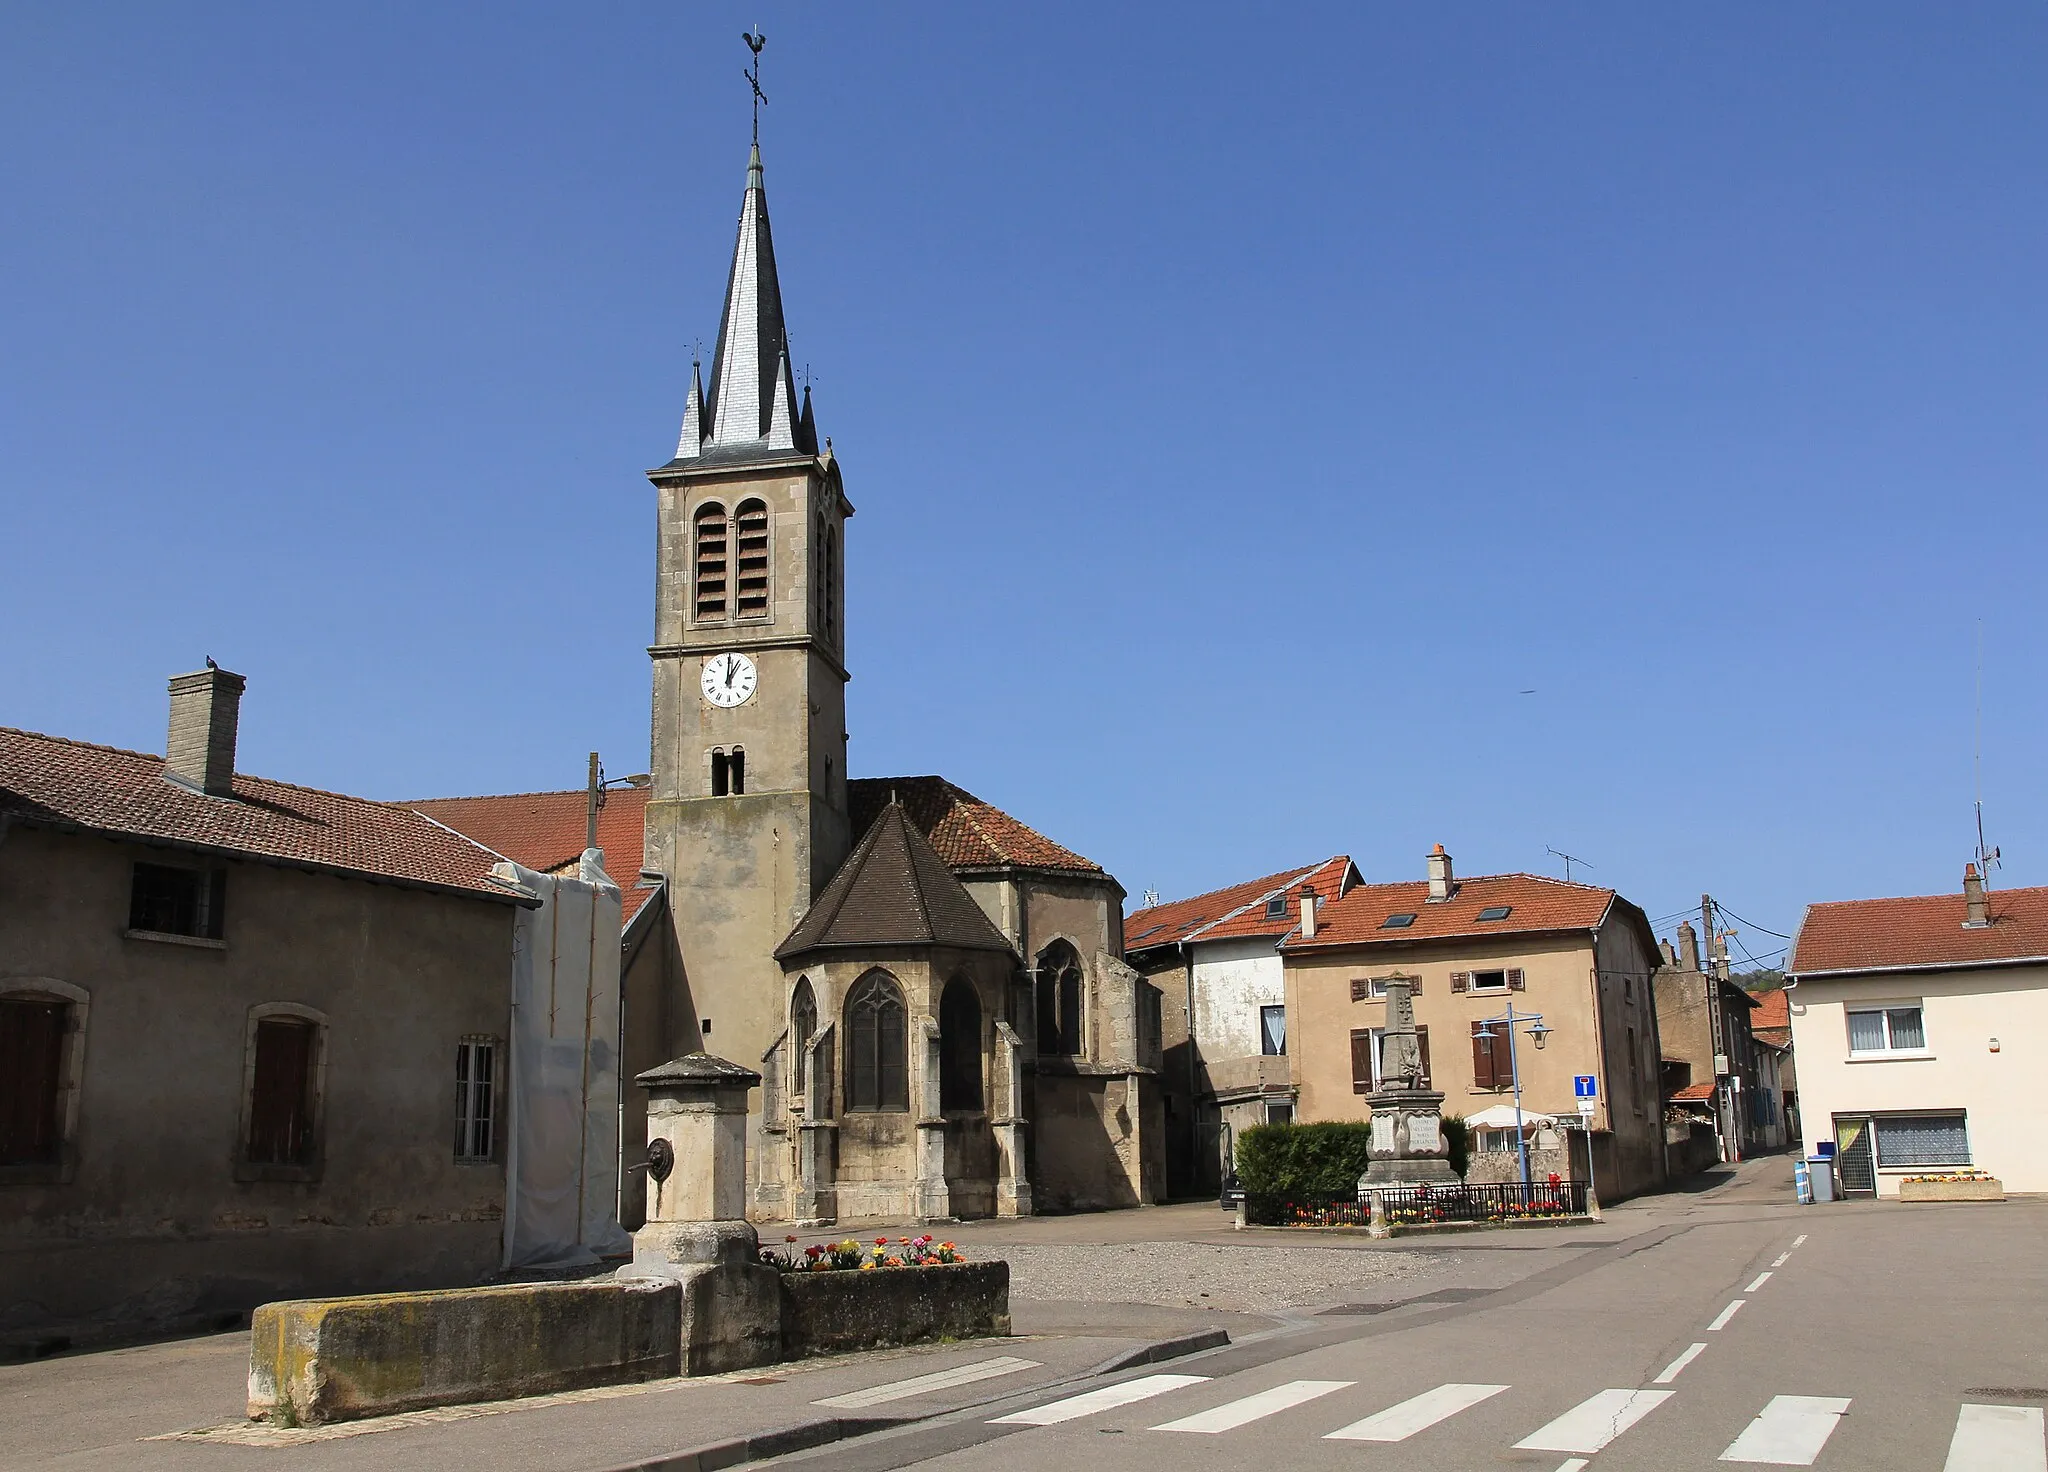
<point x="1539" y="1034"/>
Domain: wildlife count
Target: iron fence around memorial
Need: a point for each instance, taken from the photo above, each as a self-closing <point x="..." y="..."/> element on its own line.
<point x="1496" y="1203"/>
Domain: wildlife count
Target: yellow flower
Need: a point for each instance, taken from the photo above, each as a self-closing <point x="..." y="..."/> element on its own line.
<point x="866" y="1266"/>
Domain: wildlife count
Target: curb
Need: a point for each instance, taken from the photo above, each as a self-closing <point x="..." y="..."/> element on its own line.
<point x="806" y="1435"/>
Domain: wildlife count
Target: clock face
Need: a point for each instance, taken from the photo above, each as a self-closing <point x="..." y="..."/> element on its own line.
<point x="728" y="679"/>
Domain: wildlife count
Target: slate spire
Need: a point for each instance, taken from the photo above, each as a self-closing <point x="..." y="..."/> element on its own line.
<point x="752" y="396"/>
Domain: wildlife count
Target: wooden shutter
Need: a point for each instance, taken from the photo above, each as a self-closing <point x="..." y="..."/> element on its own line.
<point x="281" y="1097"/>
<point x="1460" y="980"/>
<point x="1422" y="1046"/>
<point x="1361" y="1060"/>
<point x="1361" y="989"/>
<point x="1414" y="986"/>
<point x="31" y="1069"/>
<point x="1483" y="1071"/>
<point x="1516" y="981"/>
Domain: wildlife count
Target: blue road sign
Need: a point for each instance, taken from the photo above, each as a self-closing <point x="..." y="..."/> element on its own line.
<point x="1585" y="1086"/>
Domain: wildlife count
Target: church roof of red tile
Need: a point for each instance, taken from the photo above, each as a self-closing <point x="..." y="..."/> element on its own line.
<point x="53" y="782"/>
<point x="545" y="831"/>
<point x="1535" y="904"/>
<point x="1921" y="932"/>
<point x="1237" y="910"/>
<point x="967" y="832"/>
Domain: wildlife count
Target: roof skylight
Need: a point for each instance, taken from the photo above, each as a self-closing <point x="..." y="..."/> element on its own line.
<point x="1398" y="922"/>
<point x="1496" y="912"/>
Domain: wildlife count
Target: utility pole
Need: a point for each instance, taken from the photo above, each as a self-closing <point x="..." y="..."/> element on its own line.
<point x="593" y="800"/>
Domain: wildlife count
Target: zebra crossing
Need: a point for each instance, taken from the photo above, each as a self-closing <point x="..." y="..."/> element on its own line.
<point x="1789" y="1430"/>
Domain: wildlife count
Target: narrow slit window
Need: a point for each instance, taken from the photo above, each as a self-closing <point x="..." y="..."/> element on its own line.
<point x="721" y="774"/>
<point x="736" y="770"/>
<point x="750" y="523"/>
<point x="476" y="1068"/>
<point x="710" y="561"/>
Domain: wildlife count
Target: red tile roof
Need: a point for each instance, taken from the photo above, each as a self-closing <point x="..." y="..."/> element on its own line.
<point x="48" y="781"/>
<point x="1239" y="909"/>
<point x="1534" y="904"/>
<point x="1773" y="1009"/>
<point x="545" y="831"/>
<point x="1919" y="931"/>
<point x="967" y="832"/>
<point x="1694" y="1091"/>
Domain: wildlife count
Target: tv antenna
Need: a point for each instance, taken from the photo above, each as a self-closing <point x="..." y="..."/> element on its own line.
<point x="755" y="41"/>
<point x="1569" y="860"/>
<point x="1986" y="857"/>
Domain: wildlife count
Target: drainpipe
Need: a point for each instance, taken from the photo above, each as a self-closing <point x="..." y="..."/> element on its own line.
<point x="512" y="1082"/>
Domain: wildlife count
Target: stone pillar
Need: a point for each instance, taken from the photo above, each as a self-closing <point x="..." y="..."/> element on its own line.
<point x="817" y="1201"/>
<point x="1013" y="1183"/>
<point x="934" y="1202"/>
<point x="1408" y="1147"/>
<point x="696" y="1230"/>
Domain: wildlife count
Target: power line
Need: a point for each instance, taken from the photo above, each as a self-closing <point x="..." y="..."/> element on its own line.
<point x="1750" y="923"/>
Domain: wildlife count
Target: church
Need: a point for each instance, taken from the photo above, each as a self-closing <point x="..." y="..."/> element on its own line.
<point x="934" y="994"/>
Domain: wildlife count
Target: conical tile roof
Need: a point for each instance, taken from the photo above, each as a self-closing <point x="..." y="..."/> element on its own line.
<point x="893" y="890"/>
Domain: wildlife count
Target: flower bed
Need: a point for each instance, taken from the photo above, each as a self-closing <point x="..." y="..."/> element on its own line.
<point x="852" y="1256"/>
<point x="1958" y="1185"/>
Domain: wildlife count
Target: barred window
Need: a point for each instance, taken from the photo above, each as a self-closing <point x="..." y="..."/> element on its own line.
<point x="710" y="561"/>
<point x="167" y="900"/>
<point x="750" y="523"/>
<point x="476" y="1070"/>
<point x="1923" y="1139"/>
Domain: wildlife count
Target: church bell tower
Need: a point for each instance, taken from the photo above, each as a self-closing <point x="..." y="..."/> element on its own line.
<point x="747" y="817"/>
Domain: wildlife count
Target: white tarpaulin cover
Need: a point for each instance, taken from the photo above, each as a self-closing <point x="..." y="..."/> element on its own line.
<point x="1502" y="1117"/>
<point x="562" y="1156"/>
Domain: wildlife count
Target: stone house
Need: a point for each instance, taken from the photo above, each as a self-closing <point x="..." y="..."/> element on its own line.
<point x="251" y="1037"/>
<point x="1578" y="955"/>
<point x="1919" y="1025"/>
<point x="1710" y="1063"/>
<point x="1215" y="959"/>
<point x="1770" y="1023"/>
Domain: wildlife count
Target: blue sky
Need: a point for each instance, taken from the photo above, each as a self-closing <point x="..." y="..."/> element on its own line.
<point x="1241" y="413"/>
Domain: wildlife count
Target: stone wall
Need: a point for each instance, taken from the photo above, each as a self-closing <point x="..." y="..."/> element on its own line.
<point x="832" y="1312"/>
<point x="317" y="1360"/>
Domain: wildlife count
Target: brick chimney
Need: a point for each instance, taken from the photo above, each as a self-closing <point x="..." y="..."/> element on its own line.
<point x="206" y="708"/>
<point x="1688" y="947"/>
<point x="1974" y="900"/>
<point x="1308" y="912"/>
<point x="1441" y="886"/>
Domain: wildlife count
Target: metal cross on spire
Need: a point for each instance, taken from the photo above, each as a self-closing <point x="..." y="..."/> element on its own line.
<point x="755" y="41"/>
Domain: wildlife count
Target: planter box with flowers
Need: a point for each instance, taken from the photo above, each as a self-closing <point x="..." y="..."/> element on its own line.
<point x="1958" y="1185"/>
<point x="848" y="1295"/>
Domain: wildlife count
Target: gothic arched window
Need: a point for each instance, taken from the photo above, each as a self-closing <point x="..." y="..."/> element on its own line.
<point x="750" y="524"/>
<point x="803" y="1026"/>
<point x="877" y="1077"/>
<point x="1060" y="989"/>
<point x="710" y="560"/>
<point x="959" y="1046"/>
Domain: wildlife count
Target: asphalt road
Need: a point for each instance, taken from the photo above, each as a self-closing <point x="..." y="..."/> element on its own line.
<point x="1888" y="1338"/>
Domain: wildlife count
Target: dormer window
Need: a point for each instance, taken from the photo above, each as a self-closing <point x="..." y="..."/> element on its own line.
<point x="1496" y="912"/>
<point x="1398" y="922"/>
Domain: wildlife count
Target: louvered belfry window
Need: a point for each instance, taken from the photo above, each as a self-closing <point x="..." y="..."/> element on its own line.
<point x="750" y="523"/>
<point x="711" y="561"/>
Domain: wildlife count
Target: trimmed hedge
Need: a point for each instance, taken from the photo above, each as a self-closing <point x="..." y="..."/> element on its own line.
<point x="1305" y="1160"/>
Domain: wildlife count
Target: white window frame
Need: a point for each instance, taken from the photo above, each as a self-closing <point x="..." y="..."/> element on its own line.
<point x="1472" y="982"/>
<point x="476" y="1100"/>
<point x="1885" y="1009"/>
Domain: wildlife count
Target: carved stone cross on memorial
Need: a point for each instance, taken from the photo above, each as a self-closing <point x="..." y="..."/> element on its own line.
<point x="1408" y="1146"/>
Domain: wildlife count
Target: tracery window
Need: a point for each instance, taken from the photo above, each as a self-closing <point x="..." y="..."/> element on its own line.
<point x="1060" y="989"/>
<point x="710" y="534"/>
<point x="877" y="1077"/>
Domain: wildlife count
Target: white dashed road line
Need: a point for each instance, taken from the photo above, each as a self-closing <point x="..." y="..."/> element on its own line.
<point x="1721" y="1319"/>
<point x="1677" y="1367"/>
<point x="1761" y="1279"/>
